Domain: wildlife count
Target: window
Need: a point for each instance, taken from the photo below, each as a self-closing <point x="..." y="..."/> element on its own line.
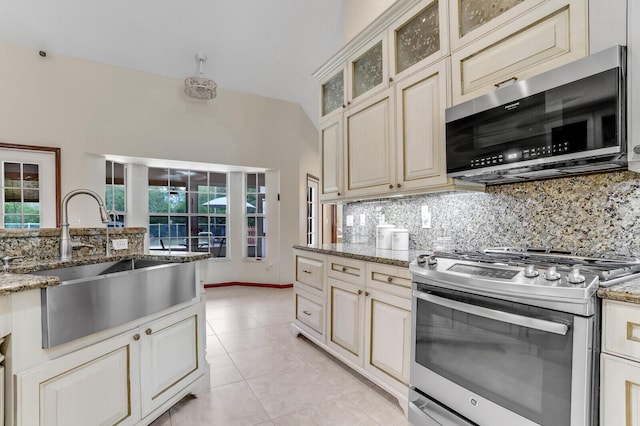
<point x="256" y="220"/>
<point x="115" y="193"/>
<point x="188" y="211"/>
<point x="29" y="187"/>
<point x="312" y="209"/>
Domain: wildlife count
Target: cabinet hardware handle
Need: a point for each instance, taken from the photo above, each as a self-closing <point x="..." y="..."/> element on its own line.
<point x="344" y="269"/>
<point x="389" y="279"/>
<point x="512" y="79"/>
<point x="366" y="293"/>
<point x="306" y="312"/>
<point x="339" y="194"/>
<point x="306" y="272"/>
<point x="148" y="332"/>
<point x="344" y="106"/>
<point x="399" y="185"/>
<point x="390" y="186"/>
<point x="390" y="79"/>
<point x="136" y="337"/>
<point x="359" y="291"/>
<point x="348" y="102"/>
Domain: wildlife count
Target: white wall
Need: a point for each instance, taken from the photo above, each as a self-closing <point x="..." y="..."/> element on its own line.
<point x="360" y="13"/>
<point x="90" y="110"/>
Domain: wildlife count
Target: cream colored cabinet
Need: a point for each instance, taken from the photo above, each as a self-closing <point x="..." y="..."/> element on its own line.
<point x="420" y="103"/>
<point x="333" y="93"/>
<point x="120" y="380"/>
<point x="370" y="155"/>
<point x="470" y="19"/>
<point x="418" y="38"/>
<point x="368" y="70"/>
<point x="168" y="357"/>
<point x="620" y="364"/>
<point x="309" y="293"/>
<point x="346" y="310"/>
<point x="547" y="36"/>
<point x="95" y="386"/>
<point x="332" y="158"/>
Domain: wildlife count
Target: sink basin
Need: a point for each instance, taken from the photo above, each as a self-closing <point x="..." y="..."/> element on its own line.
<point x="96" y="297"/>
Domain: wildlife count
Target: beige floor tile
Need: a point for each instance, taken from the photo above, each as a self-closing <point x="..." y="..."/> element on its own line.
<point x="214" y="347"/>
<point x="265" y="360"/>
<point x="233" y="323"/>
<point x="285" y="392"/>
<point x="243" y="340"/>
<point x="223" y="370"/>
<point x="280" y="316"/>
<point x="224" y="311"/>
<point x="336" y="412"/>
<point x="283" y="332"/>
<point x="379" y="405"/>
<point x="230" y="405"/>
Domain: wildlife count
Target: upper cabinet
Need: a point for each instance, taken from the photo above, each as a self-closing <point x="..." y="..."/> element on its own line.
<point x="547" y="36"/>
<point x="383" y="96"/>
<point x="418" y="38"/>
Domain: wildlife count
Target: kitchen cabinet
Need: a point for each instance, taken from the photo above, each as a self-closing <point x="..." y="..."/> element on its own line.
<point x="119" y="380"/>
<point x="368" y="70"/>
<point x="420" y="103"/>
<point x="309" y="293"/>
<point x="331" y="157"/>
<point x="620" y="364"/>
<point x="418" y="38"/>
<point x="333" y="93"/>
<point x="370" y="156"/>
<point x="368" y="319"/>
<point x="547" y="36"/>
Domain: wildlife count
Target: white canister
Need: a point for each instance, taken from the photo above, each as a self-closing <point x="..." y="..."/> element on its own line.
<point x="400" y="239"/>
<point x="383" y="236"/>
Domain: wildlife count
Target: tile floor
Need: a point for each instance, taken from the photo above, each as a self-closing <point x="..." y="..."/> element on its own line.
<point x="263" y="375"/>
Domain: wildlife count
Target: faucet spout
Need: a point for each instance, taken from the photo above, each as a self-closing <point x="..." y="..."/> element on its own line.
<point x="66" y="248"/>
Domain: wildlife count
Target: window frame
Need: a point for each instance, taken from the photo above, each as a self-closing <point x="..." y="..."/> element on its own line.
<point x="257" y="216"/>
<point x="111" y="186"/>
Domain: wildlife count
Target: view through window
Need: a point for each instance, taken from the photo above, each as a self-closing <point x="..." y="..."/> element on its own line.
<point x="115" y="194"/>
<point x="188" y="211"/>
<point x="255" y="213"/>
<point x="21" y="195"/>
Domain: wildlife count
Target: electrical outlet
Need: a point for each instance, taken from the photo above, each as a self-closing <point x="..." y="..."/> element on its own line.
<point x="122" y="244"/>
<point x="349" y="220"/>
<point x="425" y="218"/>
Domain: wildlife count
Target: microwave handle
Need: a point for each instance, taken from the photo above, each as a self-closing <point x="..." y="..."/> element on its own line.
<point x="538" y="324"/>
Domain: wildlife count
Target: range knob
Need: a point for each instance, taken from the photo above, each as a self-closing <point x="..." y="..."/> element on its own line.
<point x="530" y="271"/>
<point x="422" y="259"/>
<point x="432" y="260"/>
<point x="552" y="274"/>
<point x="429" y="259"/>
<point x="574" y="277"/>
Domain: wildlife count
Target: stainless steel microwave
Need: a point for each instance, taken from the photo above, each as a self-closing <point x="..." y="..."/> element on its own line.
<point x="567" y="121"/>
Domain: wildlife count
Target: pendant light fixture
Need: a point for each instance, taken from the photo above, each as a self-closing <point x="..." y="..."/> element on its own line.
<point x="200" y="87"/>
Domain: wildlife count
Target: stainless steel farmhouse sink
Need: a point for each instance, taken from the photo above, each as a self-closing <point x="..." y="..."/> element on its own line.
<point x="96" y="297"/>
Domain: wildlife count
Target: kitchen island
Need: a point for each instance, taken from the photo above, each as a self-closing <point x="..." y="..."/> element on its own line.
<point x="128" y="372"/>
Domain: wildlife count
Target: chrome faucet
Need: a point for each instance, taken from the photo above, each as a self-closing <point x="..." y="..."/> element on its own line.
<point x="66" y="245"/>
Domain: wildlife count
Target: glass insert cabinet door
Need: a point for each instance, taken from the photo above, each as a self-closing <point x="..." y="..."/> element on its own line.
<point x="418" y="38"/>
<point x="474" y="13"/>
<point x="367" y="70"/>
<point x="333" y="93"/>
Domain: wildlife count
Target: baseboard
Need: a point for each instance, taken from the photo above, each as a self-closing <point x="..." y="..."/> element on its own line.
<point x="239" y="283"/>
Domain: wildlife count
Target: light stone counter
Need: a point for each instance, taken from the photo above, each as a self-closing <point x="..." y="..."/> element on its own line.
<point x="365" y="252"/>
<point x="628" y="291"/>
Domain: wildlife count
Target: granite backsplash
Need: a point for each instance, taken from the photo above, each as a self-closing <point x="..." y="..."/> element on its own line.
<point x="595" y="214"/>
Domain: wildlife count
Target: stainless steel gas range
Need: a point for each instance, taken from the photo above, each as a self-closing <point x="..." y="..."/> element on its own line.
<point x="508" y="337"/>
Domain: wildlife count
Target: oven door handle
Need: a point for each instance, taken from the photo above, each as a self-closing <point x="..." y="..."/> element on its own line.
<point x="536" y="323"/>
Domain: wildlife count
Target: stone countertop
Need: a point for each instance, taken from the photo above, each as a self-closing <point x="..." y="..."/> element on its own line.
<point x="628" y="291"/>
<point x="19" y="278"/>
<point x="364" y="252"/>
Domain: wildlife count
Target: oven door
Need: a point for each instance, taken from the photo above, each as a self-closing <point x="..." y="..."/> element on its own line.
<point x="498" y="362"/>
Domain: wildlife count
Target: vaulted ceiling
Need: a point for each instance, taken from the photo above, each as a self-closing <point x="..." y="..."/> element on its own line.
<point x="263" y="47"/>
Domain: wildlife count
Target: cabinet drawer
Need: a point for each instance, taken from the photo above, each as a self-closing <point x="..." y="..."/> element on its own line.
<point x="621" y="329"/>
<point x="537" y="47"/>
<point x="309" y="271"/>
<point x="348" y="270"/>
<point x="309" y="312"/>
<point x="390" y="279"/>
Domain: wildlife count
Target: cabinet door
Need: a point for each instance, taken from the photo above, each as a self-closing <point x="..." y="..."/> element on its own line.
<point x="418" y="38"/>
<point x="620" y="391"/>
<point x="388" y="336"/>
<point x="95" y="386"/>
<point x="421" y="100"/>
<point x="168" y="357"/>
<point x="368" y="71"/>
<point x="333" y="92"/>
<point x="370" y="156"/>
<point x="471" y="19"/>
<point x="525" y="47"/>
<point x="346" y="318"/>
<point x="331" y="155"/>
